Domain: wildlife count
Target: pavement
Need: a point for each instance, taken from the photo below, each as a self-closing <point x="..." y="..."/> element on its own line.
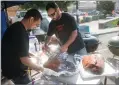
<point x="104" y="36"/>
<point x="104" y="51"/>
<point x="94" y="28"/>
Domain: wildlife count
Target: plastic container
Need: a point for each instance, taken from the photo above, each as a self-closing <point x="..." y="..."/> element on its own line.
<point x="84" y="28"/>
<point x="33" y="44"/>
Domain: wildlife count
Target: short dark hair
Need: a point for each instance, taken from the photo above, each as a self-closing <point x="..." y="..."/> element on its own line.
<point x="51" y="5"/>
<point x="33" y="13"/>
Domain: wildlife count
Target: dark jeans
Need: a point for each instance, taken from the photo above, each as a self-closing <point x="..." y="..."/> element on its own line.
<point x="21" y="80"/>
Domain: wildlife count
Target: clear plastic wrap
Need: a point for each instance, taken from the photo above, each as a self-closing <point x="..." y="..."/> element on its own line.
<point x="62" y="64"/>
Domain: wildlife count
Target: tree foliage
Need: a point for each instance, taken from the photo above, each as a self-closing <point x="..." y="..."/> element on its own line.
<point x="42" y="4"/>
<point x="105" y="6"/>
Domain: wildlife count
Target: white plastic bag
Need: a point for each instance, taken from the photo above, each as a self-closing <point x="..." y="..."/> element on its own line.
<point x="50" y="72"/>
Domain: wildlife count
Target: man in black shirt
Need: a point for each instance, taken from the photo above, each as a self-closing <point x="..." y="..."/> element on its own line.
<point x="65" y="28"/>
<point x="15" y="48"/>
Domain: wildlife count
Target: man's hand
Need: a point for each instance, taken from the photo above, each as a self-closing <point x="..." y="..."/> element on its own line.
<point x="45" y="47"/>
<point x="64" y="49"/>
<point x="28" y="62"/>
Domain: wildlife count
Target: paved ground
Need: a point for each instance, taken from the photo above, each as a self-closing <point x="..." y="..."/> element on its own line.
<point x="103" y="49"/>
<point x="104" y="35"/>
<point x="94" y="27"/>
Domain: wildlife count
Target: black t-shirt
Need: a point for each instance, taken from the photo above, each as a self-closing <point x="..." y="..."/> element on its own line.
<point x="15" y="44"/>
<point x="63" y="28"/>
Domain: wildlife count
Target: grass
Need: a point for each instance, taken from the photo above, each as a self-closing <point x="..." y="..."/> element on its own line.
<point x="111" y="24"/>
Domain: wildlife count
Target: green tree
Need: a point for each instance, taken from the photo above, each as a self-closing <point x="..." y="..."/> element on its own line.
<point x="105" y="6"/>
<point x="42" y="4"/>
<point x="34" y="4"/>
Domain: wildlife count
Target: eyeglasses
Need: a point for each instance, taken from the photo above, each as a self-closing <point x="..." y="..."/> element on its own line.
<point x="37" y="25"/>
<point x="52" y="15"/>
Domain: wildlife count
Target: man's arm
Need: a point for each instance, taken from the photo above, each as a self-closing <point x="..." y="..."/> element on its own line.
<point x="71" y="38"/>
<point x="74" y="33"/>
<point x="28" y="62"/>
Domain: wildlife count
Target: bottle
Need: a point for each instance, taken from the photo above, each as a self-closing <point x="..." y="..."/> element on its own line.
<point x="33" y="44"/>
<point x="36" y="44"/>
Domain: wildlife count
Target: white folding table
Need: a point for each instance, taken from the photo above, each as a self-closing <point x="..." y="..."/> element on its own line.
<point x="85" y="78"/>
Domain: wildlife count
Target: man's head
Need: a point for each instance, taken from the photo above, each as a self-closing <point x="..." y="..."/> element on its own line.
<point x="33" y="18"/>
<point x="53" y="10"/>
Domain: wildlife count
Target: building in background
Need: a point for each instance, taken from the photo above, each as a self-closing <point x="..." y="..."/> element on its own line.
<point x="12" y="11"/>
<point x="117" y="5"/>
<point x="117" y="8"/>
<point x="83" y="6"/>
<point x="86" y="6"/>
